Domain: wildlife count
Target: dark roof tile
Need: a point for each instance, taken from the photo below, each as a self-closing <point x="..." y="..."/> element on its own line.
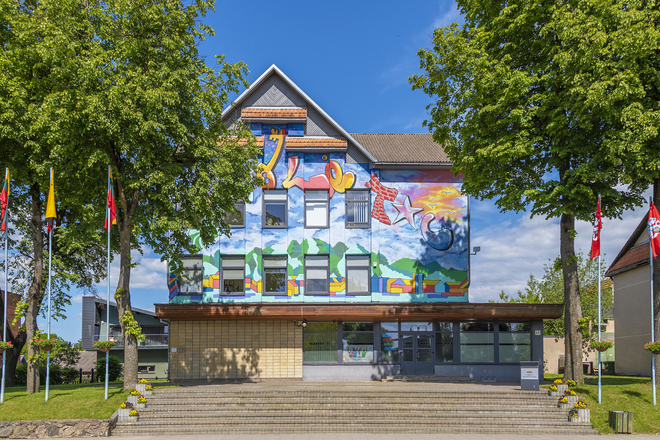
<point x="403" y="148"/>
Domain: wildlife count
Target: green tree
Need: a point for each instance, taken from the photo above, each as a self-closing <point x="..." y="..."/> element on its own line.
<point x="37" y="46"/>
<point x="550" y="290"/>
<point x="618" y="44"/>
<point x="150" y="107"/>
<point x="506" y="112"/>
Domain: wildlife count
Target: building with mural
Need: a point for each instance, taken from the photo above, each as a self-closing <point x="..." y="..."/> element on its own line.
<point x="351" y="262"/>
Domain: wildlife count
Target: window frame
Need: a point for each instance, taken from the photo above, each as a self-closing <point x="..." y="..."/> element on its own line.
<point x="148" y="367"/>
<point x="284" y="202"/>
<point x="222" y="275"/>
<point x="327" y="208"/>
<point x="493" y="327"/>
<point x="286" y="274"/>
<point x="503" y="330"/>
<point x="244" y="211"/>
<point x="368" y="267"/>
<point x="188" y="268"/>
<point x="357" y="225"/>
<point x="327" y="269"/>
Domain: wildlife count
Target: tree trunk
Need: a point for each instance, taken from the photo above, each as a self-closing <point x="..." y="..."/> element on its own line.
<point x="656" y="288"/>
<point x="572" y="304"/>
<point x="124" y="305"/>
<point x="36" y="291"/>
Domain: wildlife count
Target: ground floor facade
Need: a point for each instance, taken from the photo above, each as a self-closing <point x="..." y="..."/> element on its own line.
<point x="152" y="362"/>
<point x="353" y="342"/>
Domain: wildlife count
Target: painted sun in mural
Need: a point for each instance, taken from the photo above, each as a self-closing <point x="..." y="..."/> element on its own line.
<point x="406" y="211"/>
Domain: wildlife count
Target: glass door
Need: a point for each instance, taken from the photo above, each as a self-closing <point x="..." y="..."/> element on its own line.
<point x="416" y="353"/>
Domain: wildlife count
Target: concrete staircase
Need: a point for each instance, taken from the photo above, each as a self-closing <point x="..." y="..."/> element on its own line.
<point x="376" y="408"/>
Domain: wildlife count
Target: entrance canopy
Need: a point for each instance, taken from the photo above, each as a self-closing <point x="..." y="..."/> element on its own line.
<point x="360" y="312"/>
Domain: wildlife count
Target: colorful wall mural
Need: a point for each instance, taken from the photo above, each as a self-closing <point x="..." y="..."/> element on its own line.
<point x="417" y="239"/>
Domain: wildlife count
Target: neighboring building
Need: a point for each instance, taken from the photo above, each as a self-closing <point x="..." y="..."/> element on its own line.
<point x="152" y="352"/>
<point x="554" y="349"/>
<point x="631" y="272"/>
<point x="352" y="262"/>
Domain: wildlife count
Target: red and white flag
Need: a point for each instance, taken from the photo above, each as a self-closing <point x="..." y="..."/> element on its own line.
<point x="595" y="239"/>
<point x="654" y="229"/>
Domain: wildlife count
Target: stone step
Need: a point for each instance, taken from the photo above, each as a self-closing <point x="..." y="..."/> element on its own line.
<point x="338" y="407"/>
<point x="416" y="396"/>
<point x="200" y="415"/>
<point x="390" y="429"/>
<point x="434" y="379"/>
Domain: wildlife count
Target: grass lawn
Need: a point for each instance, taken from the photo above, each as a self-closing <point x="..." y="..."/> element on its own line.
<point x="619" y="393"/>
<point x="80" y="401"/>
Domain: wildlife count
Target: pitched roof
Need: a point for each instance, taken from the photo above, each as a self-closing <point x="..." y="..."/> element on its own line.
<point x="403" y="148"/>
<point x="631" y="256"/>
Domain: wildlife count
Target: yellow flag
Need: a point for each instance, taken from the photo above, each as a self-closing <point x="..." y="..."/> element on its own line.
<point x="51" y="214"/>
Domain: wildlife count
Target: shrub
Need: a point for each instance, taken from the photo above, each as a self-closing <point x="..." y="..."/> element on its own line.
<point x="21" y="375"/>
<point x="115" y="368"/>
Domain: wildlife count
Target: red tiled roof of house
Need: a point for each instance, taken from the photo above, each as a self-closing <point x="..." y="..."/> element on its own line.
<point x="636" y="256"/>
<point x="283" y="113"/>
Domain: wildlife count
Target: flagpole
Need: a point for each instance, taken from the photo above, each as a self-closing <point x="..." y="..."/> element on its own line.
<point x="50" y="258"/>
<point x="600" y="365"/>
<point x="107" y="306"/>
<point x="652" y="311"/>
<point x="4" y="319"/>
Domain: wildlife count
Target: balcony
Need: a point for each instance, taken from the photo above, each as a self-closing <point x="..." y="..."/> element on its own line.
<point x="151" y="340"/>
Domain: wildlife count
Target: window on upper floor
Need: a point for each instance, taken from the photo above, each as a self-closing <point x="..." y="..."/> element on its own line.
<point x="191" y="275"/>
<point x="317" y="275"/>
<point x="357" y="208"/>
<point x="236" y="219"/>
<point x="275" y="207"/>
<point x="233" y="274"/>
<point x="357" y="274"/>
<point x="275" y="267"/>
<point x="316" y="209"/>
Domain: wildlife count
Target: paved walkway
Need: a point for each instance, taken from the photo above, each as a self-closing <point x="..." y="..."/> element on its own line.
<point x="393" y="437"/>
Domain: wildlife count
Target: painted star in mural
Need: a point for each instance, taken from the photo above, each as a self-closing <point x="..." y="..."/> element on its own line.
<point x="406" y="211"/>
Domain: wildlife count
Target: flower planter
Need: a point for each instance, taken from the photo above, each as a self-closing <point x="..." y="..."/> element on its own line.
<point x="148" y="393"/>
<point x="140" y="405"/>
<point x="47" y="347"/>
<point x="602" y="349"/>
<point x="561" y="388"/>
<point x="133" y="399"/>
<point x="563" y="406"/>
<point x="555" y="393"/>
<point x="141" y="387"/>
<point x="584" y="415"/>
<point x="2" y="350"/>
<point x="572" y="400"/>
<point x="133" y="419"/>
<point x="655" y="351"/>
<point x="104" y="349"/>
<point x="123" y="414"/>
<point x="574" y="419"/>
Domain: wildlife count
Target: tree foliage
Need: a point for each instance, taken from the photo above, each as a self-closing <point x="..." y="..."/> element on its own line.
<point x="509" y="109"/>
<point x="550" y="290"/>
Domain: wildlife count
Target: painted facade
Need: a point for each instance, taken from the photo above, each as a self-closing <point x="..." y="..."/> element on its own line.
<point x="417" y="239"/>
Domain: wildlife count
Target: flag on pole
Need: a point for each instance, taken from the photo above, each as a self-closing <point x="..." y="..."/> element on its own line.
<point x="51" y="214"/>
<point x="111" y="202"/>
<point x="595" y="239"/>
<point x="4" y="200"/>
<point x="654" y="229"/>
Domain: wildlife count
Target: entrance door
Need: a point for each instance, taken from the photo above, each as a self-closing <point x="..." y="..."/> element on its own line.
<point x="417" y="356"/>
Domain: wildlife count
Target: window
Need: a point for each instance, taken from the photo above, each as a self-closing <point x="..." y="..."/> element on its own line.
<point x="233" y="275"/>
<point x="357" y="342"/>
<point x="320" y="342"/>
<point x="317" y="275"/>
<point x="275" y="267"/>
<point x="357" y="274"/>
<point x="275" y="207"/>
<point x="190" y="279"/>
<point x="236" y="219"/>
<point x="146" y="369"/>
<point x="357" y="208"/>
<point x="444" y="342"/>
<point x="514" y="342"/>
<point x="389" y="342"/>
<point x="477" y="342"/>
<point x="316" y="209"/>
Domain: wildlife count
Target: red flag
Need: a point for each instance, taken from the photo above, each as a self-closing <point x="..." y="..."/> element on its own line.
<point x="111" y="202"/>
<point x="654" y="229"/>
<point x="4" y="200"/>
<point x="595" y="239"/>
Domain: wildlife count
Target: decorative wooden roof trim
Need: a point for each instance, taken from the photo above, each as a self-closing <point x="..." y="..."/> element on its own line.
<point x="360" y="312"/>
<point x="273" y="113"/>
<point x="302" y="142"/>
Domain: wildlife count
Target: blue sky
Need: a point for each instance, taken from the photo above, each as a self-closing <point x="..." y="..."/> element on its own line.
<point x="354" y="60"/>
